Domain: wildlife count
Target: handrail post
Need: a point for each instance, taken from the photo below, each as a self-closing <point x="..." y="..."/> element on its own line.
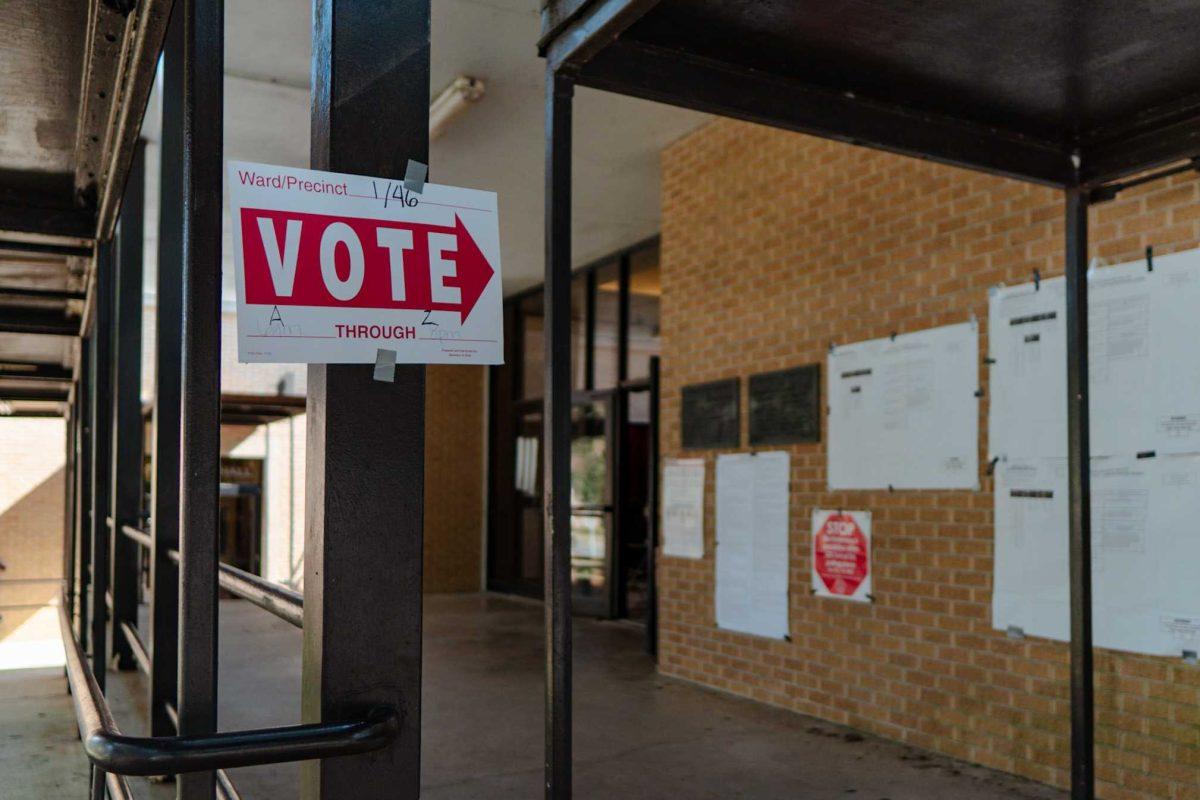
<point x="200" y="418"/>
<point x="164" y="447"/>
<point x="101" y="414"/>
<point x="83" y="494"/>
<point x="110" y="751"/>
<point x="366" y="439"/>
<point x="69" y="491"/>
<point x="557" y="436"/>
<point x="126" y="411"/>
<point x="652" y="490"/>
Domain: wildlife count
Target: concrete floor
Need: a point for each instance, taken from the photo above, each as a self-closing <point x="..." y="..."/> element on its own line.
<point x="637" y="735"/>
<point x="40" y="755"/>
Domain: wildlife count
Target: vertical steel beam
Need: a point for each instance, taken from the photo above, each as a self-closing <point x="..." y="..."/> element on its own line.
<point x="617" y="468"/>
<point x="557" y="435"/>
<point x="126" y="411"/>
<point x="1080" y="496"/>
<point x="200" y="367"/>
<point x="589" y="333"/>
<point x="364" y="488"/>
<point x="652" y="517"/>
<point x="83" y="500"/>
<point x="101" y="399"/>
<point x="164" y="449"/>
<point x="623" y="270"/>
<point x="68" y="554"/>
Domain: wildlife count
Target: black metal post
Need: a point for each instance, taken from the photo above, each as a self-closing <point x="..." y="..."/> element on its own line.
<point x="652" y="517"/>
<point x="127" y="411"/>
<point x="83" y="495"/>
<point x="589" y="332"/>
<point x="164" y="449"/>
<point x="69" y="472"/>
<point x="364" y="488"/>
<point x="200" y="364"/>
<point x="101" y="412"/>
<point x="623" y="318"/>
<point x="1078" y="460"/>
<point x="559" y="91"/>
<point x="617" y="419"/>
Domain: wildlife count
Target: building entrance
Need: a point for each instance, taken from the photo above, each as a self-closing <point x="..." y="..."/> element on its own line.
<point x="241" y="514"/>
<point x="615" y="324"/>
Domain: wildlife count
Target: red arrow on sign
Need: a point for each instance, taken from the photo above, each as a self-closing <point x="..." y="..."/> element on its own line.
<point x="298" y="259"/>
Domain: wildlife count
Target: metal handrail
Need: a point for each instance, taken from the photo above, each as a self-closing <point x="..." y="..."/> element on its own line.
<point x="285" y="603"/>
<point x="111" y="751"/>
<point x="136" y="647"/>
<point x="118" y="787"/>
<point x="225" y="788"/>
<point x="281" y="601"/>
<point x="97" y="715"/>
<point x="139" y="536"/>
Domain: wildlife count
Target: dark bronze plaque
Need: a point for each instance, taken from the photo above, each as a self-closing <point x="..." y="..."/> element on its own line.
<point x="785" y="406"/>
<point x="710" y="414"/>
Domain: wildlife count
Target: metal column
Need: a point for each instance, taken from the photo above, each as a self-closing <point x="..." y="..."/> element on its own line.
<point x="164" y="476"/>
<point x="652" y="517"/>
<point x="557" y="435"/>
<point x="101" y="414"/>
<point x="68" y="554"/>
<point x="364" y="488"/>
<point x="1078" y="461"/>
<point x="200" y="364"/>
<point x="126" y="411"/>
<point x="83" y="493"/>
<point x="623" y="272"/>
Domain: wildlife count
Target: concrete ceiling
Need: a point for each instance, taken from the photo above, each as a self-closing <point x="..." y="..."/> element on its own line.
<point x="497" y="144"/>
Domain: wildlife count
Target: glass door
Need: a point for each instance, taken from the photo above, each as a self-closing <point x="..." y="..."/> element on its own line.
<point x="592" y="430"/>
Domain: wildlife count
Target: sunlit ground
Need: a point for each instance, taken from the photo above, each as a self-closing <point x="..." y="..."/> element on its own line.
<point x="27" y="646"/>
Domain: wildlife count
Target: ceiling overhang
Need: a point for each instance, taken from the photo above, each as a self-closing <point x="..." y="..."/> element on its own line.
<point x="1058" y="93"/>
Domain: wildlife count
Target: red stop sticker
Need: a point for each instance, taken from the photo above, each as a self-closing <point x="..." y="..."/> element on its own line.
<point x="841" y="555"/>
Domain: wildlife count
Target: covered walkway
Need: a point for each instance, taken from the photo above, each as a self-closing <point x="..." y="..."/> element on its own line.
<point x="638" y="735"/>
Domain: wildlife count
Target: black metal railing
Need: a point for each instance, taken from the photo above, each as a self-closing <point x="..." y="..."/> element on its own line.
<point x="224" y="786"/>
<point x="279" y="600"/>
<point x="137" y="647"/>
<point x="141" y="537"/>
<point x="117" y="785"/>
<point x="285" y="603"/>
<point x="116" y="754"/>
<point x="108" y="750"/>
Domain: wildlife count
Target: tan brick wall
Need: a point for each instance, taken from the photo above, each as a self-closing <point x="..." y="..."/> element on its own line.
<point x="32" y="454"/>
<point x="774" y="245"/>
<point x="454" y="478"/>
<point x="284" y="452"/>
<point x="454" y="483"/>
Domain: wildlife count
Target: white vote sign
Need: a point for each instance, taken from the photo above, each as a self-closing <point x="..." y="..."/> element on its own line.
<point x="331" y="268"/>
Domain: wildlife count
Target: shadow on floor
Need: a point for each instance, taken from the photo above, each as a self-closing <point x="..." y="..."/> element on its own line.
<point x="637" y="735"/>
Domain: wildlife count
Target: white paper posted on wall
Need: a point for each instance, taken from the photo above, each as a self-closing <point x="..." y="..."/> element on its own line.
<point x="752" y="543"/>
<point x="1145" y="440"/>
<point x="904" y="411"/>
<point x="683" y="507"/>
<point x="1145" y="546"/>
